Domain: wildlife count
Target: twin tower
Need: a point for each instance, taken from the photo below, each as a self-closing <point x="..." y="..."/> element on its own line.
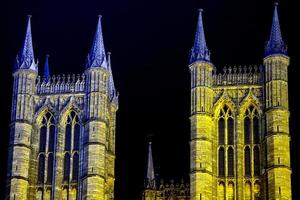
<point x="62" y="138"/>
<point x="240" y="141"/>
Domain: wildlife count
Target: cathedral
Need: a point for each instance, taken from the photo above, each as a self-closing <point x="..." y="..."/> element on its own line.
<point x="239" y="128"/>
<point x="62" y="131"/>
<point x="62" y="138"/>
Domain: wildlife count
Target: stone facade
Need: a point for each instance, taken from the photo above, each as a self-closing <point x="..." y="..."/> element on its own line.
<point x="62" y="139"/>
<point x="240" y="125"/>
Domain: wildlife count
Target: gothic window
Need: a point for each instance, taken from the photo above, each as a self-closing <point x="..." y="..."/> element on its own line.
<point x="230" y="128"/>
<point x="67" y="167"/>
<point x="71" y="146"/>
<point x="75" y="166"/>
<point x="51" y="138"/>
<point x="46" y="148"/>
<point x="230" y="158"/>
<point x="221" y="191"/>
<point x="68" y="136"/>
<point x="221" y="131"/>
<point x="221" y="162"/>
<point x="41" y="169"/>
<point x="247" y="130"/>
<point x="248" y="191"/>
<point x="247" y="161"/>
<point x="230" y="191"/>
<point x="43" y="137"/>
<point x="50" y="168"/>
<point x="256" y="128"/>
<point x="76" y="136"/>
<point x="256" y="161"/>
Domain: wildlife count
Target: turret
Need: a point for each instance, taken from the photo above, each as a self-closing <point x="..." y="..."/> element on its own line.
<point x="96" y="127"/>
<point x="46" y="73"/>
<point x="201" y="174"/>
<point x="25" y="73"/>
<point x="149" y="192"/>
<point x="276" y="62"/>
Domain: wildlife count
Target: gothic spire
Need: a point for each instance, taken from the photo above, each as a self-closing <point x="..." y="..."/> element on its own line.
<point x="25" y="58"/>
<point x="150" y="178"/>
<point x="96" y="56"/>
<point x="200" y="50"/>
<point x="275" y="45"/>
<point x="46" y="69"/>
<point x="111" y="85"/>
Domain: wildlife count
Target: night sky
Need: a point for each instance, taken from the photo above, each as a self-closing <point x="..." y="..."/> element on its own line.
<point x="150" y="42"/>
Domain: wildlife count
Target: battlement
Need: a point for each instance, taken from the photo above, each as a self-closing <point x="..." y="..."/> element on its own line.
<point x="179" y="190"/>
<point x="60" y="84"/>
<point x="246" y="75"/>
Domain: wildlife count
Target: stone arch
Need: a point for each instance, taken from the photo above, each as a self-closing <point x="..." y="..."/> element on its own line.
<point x="230" y="190"/>
<point x="249" y="100"/>
<point x="221" y="102"/>
<point x="221" y="191"/>
<point x="67" y="110"/>
<point x="248" y="190"/>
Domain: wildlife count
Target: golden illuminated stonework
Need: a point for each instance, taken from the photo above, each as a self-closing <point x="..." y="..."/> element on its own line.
<point x="240" y="143"/>
<point x="62" y="139"/>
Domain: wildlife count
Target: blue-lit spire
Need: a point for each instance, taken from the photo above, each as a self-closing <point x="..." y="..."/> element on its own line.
<point x="25" y="59"/>
<point x="97" y="57"/>
<point x="113" y="96"/>
<point x="150" y="177"/>
<point x="46" y="69"/>
<point x="275" y="45"/>
<point x="200" y="51"/>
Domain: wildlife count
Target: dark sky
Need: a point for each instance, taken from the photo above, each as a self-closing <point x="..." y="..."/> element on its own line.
<point x="150" y="42"/>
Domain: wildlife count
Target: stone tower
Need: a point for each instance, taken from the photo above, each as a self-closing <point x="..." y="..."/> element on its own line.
<point x="277" y="137"/>
<point x="62" y="138"/>
<point x="239" y="145"/>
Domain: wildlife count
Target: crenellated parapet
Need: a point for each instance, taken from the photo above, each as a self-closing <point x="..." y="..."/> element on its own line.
<point x="173" y="190"/>
<point x="60" y="84"/>
<point x="241" y="75"/>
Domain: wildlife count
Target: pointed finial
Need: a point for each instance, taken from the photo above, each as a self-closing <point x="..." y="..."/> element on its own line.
<point x="96" y="56"/>
<point x="275" y="45"/>
<point x="111" y="85"/>
<point x="25" y="59"/>
<point x="200" y="51"/>
<point x="46" y="68"/>
<point x="150" y="178"/>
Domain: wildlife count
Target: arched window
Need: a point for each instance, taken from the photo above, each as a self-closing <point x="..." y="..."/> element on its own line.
<point x="230" y="161"/>
<point x="256" y="131"/>
<point x="43" y="138"/>
<point x="247" y="130"/>
<point x="76" y="136"/>
<point x="50" y="168"/>
<point x="248" y="191"/>
<point x="221" y="191"/>
<point x="256" y="161"/>
<point x="47" y="134"/>
<point x="230" y="191"/>
<point x="72" y="142"/>
<point x="221" y="131"/>
<point x="221" y="162"/>
<point x="67" y="167"/>
<point x="51" y="138"/>
<point x="230" y="127"/>
<point x="75" y="166"/>
<point x="247" y="162"/>
<point x="68" y="136"/>
<point x="41" y="169"/>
